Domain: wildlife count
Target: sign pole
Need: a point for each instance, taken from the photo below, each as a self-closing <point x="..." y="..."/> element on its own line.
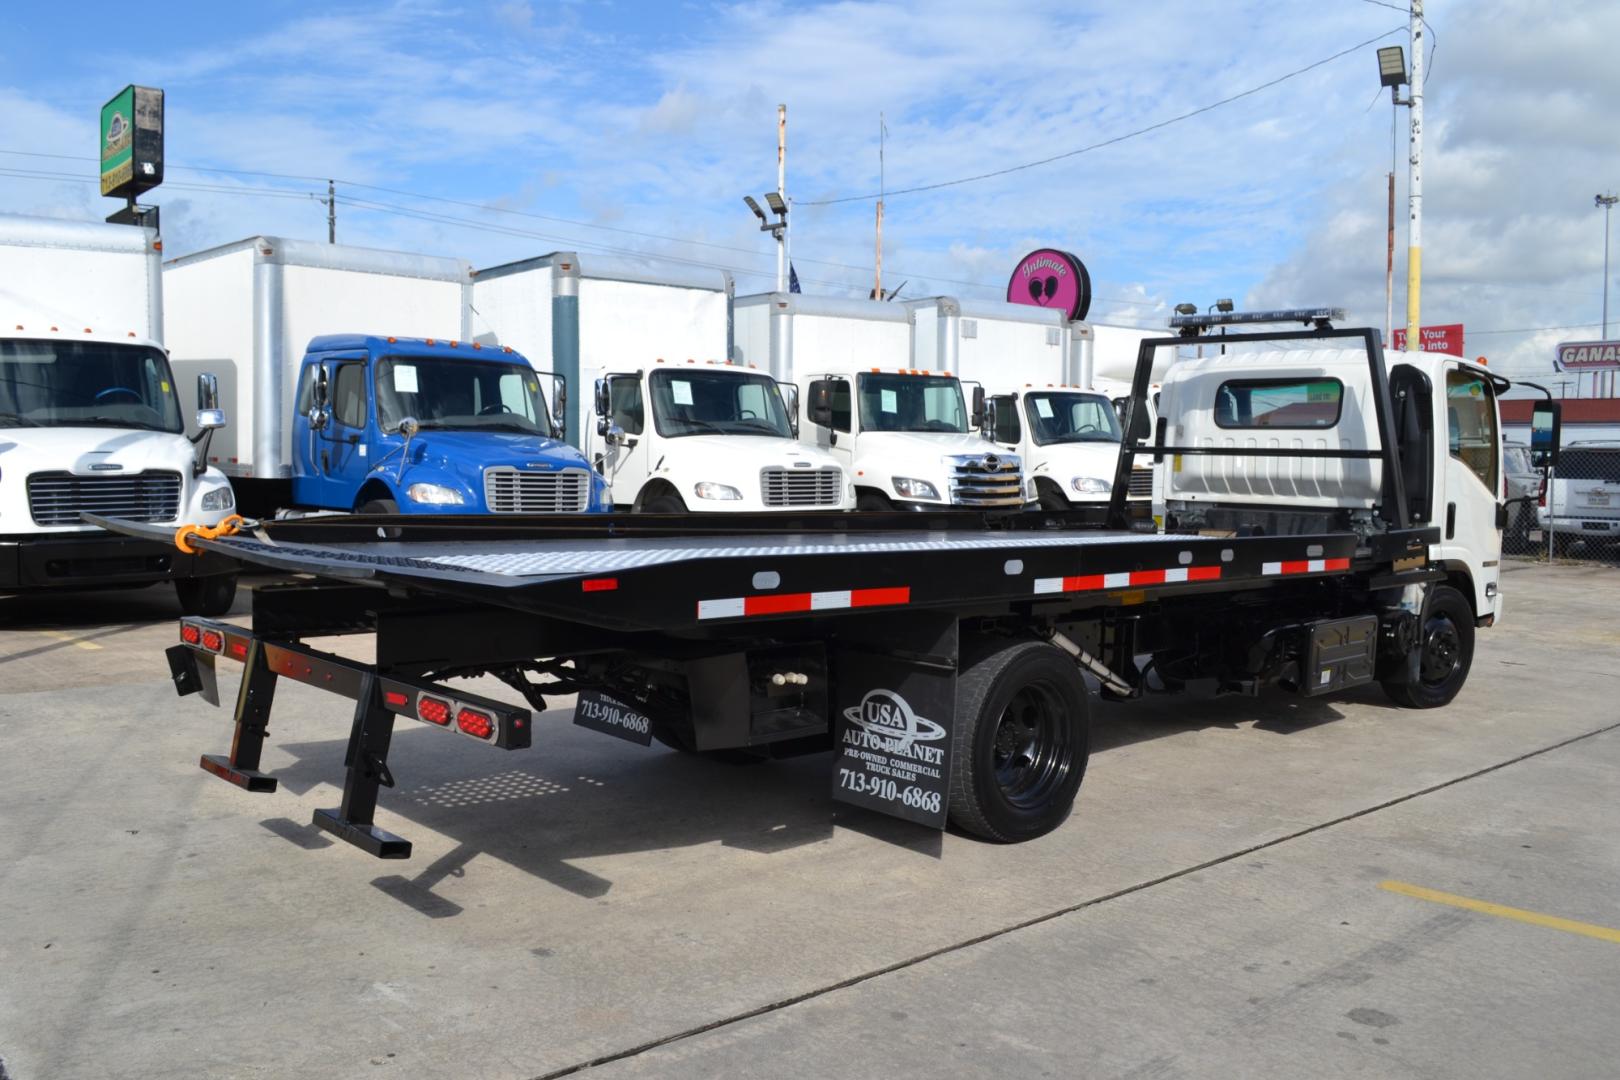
<point x="781" y="189"/>
<point x="1414" y="185"/>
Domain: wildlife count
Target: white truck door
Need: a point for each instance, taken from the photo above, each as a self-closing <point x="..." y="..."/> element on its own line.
<point x="625" y="463"/>
<point x="843" y="424"/>
<point x="1472" y="488"/>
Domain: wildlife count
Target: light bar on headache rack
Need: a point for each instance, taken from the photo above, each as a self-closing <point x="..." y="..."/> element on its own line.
<point x="1321" y="317"/>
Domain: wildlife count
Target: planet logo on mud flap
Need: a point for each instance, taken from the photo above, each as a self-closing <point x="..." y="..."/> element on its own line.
<point x="887" y="715"/>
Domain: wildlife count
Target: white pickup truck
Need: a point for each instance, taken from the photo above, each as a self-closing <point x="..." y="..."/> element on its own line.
<point x="90" y="420"/>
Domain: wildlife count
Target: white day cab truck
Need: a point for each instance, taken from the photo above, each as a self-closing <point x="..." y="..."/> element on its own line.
<point x="90" y="420"/>
<point x="907" y="435"/>
<point x="1323" y="536"/>
<point x="1034" y="366"/>
<point x="662" y="413"/>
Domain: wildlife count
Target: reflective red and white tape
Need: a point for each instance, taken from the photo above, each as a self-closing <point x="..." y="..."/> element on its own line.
<point x="1127" y="580"/>
<point x="1304" y="566"/>
<point x="787" y="603"/>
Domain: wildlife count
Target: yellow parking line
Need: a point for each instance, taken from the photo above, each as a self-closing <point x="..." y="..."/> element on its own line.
<point x="1535" y="918"/>
<point x="70" y="639"/>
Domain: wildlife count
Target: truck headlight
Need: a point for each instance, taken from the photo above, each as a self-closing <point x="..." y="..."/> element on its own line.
<point x="1091" y="485"/>
<point x="434" y="495"/>
<point x="708" y="489"/>
<point x="909" y="488"/>
<point x="218" y="499"/>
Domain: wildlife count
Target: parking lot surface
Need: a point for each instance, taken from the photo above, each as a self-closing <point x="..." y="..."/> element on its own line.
<point x="1278" y="886"/>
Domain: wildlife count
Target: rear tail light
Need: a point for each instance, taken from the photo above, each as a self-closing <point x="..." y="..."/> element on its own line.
<point x="190" y="634"/>
<point x="213" y="640"/>
<point x="394" y="698"/>
<point x="475" y="722"/>
<point x="239" y="649"/>
<point x="433" y="710"/>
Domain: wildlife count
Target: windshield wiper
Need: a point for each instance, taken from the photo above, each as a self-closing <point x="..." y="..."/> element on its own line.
<point x="11" y="418"/>
<point x="1088" y="436"/>
<point x="702" y="425"/>
<point x="113" y="421"/>
<point x="762" y="425"/>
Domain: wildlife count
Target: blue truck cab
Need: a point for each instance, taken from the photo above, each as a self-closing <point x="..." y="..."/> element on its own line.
<point x="424" y="426"/>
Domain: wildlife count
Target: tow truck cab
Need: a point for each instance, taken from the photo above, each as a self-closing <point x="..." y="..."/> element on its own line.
<point x="401" y="425"/>
<point x="1244" y="428"/>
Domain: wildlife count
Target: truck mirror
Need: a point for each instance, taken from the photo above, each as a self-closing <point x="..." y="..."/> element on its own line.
<point x="604" y="404"/>
<point x="1546" y="433"/>
<point x="790" y="399"/>
<point x="978" y="407"/>
<point x="408" y="427"/>
<point x="559" y="405"/>
<point x="320" y="385"/>
<point x="819" y="409"/>
<point x="612" y="433"/>
<point x="318" y="416"/>
<point x="207" y="392"/>
<point x="209" y="419"/>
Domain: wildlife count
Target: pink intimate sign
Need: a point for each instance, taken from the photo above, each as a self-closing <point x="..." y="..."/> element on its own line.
<point x="1052" y="279"/>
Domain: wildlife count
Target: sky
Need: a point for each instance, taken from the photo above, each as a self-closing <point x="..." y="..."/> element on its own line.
<point x="494" y="130"/>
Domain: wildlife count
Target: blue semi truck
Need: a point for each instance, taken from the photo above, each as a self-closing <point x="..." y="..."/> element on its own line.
<point x="399" y="425"/>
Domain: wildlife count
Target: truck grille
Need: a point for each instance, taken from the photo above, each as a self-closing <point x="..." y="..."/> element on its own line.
<point x="987" y="480"/>
<point x="58" y="498"/>
<point x="1141" y="485"/>
<point x="801" y="487"/>
<point x="515" y="491"/>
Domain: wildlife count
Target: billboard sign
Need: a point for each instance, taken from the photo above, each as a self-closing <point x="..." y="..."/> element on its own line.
<point x="1053" y="279"/>
<point x="132" y="142"/>
<point x="1446" y="339"/>
<point x="1588" y="356"/>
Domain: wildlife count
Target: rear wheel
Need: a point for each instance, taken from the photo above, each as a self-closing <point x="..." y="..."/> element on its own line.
<point x="1021" y="742"/>
<point x="1445" y="652"/>
<point x="206" y="595"/>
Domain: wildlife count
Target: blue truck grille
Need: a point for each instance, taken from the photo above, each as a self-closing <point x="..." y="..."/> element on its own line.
<point x="521" y="491"/>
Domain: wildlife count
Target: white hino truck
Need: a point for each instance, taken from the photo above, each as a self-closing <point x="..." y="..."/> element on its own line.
<point x="90" y="420"/>
<point x="907" y="434"/>
<point x="660" y="409"/>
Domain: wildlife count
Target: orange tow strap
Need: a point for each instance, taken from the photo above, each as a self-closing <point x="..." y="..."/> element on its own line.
<point x="230" y="525"/>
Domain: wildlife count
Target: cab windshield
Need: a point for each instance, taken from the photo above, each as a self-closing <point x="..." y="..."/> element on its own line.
<point x="912" y="403"/>
<point x="86" y="384"/>
<point x="691" y="401"/>
<point x="441" y="392"/>
<point x="1067" y="417"/>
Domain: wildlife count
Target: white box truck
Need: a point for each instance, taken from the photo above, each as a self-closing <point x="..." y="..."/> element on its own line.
<point x="906" y="434"/>
<point x="660" y="410"/>
<point x="247" y="311"/>
<point x="90" y="420"/>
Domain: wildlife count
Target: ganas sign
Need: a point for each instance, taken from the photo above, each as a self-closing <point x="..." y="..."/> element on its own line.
<point x="1588" y="356"/>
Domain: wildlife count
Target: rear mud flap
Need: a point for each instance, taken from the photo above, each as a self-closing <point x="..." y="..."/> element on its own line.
<point x="894" y="707"/>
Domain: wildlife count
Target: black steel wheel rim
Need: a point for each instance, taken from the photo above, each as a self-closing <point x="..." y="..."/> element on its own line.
<point x="1031" y="751"/>
<point x="1442" y="650"/>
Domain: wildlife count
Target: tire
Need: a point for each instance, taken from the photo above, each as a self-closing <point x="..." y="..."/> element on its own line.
<point x="1447" y="652"/>
<point x="665" y="502"/>
<point x="873" y="500"/>
<point x="382" y="506"/>
<point x="207" y="596"/>
<point x="1021" y="741"/>
<point x="1051" y="498"/>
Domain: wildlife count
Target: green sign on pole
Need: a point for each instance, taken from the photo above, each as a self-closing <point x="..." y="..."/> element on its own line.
<point x="132" y="141"/>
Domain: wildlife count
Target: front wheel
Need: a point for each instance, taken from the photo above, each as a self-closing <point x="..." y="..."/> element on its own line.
<point x="1021" y="742"/>
<point x="873" y="500"/>
<point x="382" y="506"/>
<point x="1052" y="498"/>
<point x="665" y="502"/>
<point x="207" y="596"/>
<point x="1445" y="652"/>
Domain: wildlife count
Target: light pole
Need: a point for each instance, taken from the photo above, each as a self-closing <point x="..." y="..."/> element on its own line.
<point x="1414" y="183"/>
<point x="777" y="228"/>
<point x="1391" y="73"/>
<point x="1607" y="203"/>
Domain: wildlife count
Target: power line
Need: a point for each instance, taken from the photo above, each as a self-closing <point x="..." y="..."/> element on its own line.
<point x="1106" y="142"/>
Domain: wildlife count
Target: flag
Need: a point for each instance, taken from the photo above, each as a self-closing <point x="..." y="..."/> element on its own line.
<point x="793" y="279"/>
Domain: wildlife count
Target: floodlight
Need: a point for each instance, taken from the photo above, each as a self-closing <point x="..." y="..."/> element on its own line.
<point x="776" y="204"/>
<point x="1186" y="309"/>
<point x="1392" y="66"/>
<point x="754" y="206"/>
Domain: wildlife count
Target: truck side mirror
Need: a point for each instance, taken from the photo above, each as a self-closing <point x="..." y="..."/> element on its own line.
<point x="604" y="403"/>
<point x="978" y="407"/>
<point x="612" y="433"/>
<point x="559" y="405"/>
<point x="209" y="414"/>
<point x="790" y="399"/>
<point x="819" y="409"/>
<point x="1546" y="433"/>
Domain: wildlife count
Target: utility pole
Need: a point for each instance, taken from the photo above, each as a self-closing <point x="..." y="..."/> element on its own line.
<point x="781" y="191"/>
<point x="877" y="282"/>
<point x="1389" y="270"/>
<point x="1414" y="188"/>
<point x="331" y="212"/>
<point x="1607" y="203"/>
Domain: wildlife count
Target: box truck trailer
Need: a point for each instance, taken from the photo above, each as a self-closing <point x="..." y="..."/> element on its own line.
<point x="907" y="435"/>
<point x="661" y="412"/>
<point x="91" y="420"/>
